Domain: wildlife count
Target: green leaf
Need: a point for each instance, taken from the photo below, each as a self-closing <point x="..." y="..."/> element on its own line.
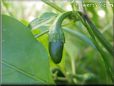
<point x="42" y="20"/>
<point x="24" y="59"/>
<point x="38" y="24"/>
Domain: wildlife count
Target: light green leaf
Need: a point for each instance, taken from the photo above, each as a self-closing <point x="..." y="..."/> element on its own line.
<point x="24" y="59"/>
<point x="38" y="25"/>
<point x="42" y="20"/>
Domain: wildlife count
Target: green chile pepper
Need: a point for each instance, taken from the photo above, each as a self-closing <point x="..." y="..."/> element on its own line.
<point x="56" y="50"/>
<point x="57" y="39"/>
<point x="56" y="43"/>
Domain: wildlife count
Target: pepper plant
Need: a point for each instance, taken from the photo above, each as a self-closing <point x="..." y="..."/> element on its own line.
<point x="45" y="44"/>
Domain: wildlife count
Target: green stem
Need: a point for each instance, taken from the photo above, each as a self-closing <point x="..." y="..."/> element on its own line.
<point x="62" y="17"/>
<point x="101" y="38"/>
<point x="89" y="28"/>
<point x="73" y="4"/>
<point x="55" y="31"/>
<point x="53" y="5"/>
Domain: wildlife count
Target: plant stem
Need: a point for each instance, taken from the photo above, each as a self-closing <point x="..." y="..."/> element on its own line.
<point x="73" y="4"/>
<point x="62" y="17"/>
<point x="101" y="38"/>
<point x="53" y="5"/>
<point x="90" y="28"/>
<point x="73" y="65"/>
